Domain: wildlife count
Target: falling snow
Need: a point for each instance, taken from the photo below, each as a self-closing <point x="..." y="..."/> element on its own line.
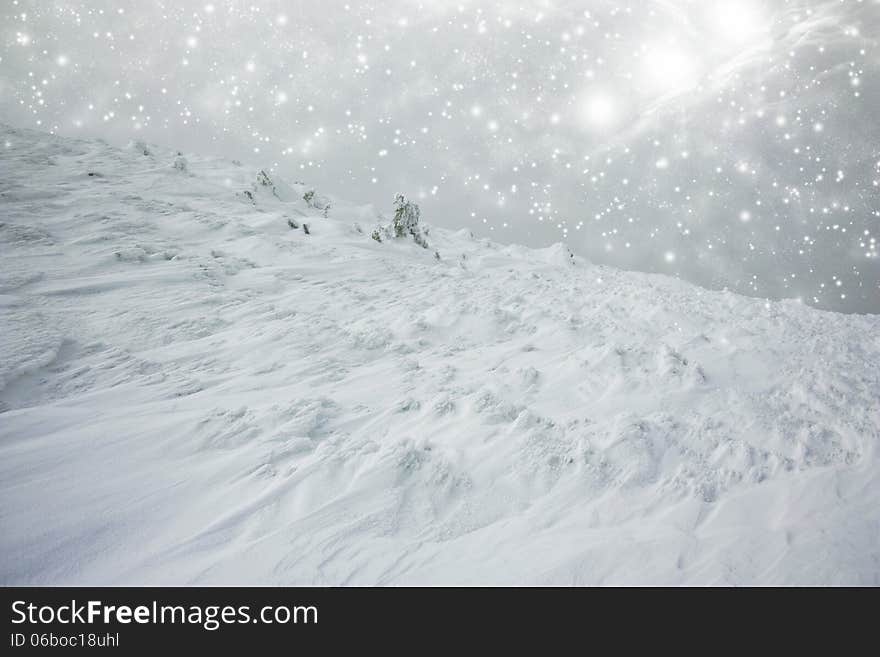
<point x="740" y="136"/>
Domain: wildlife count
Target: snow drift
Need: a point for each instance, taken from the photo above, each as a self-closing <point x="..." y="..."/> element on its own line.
<point x="194" y="389"/>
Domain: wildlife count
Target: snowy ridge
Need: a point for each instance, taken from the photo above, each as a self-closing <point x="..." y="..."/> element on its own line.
<point x="194" y="391"/>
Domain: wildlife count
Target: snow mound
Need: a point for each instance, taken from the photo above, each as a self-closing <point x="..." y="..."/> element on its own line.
<point x="210" y="375"/>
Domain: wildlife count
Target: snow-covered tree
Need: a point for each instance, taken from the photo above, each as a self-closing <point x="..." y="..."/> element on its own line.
<point x="380" y="233"/>
<point x="406" y="220"/>
<point x="406" y="217"/>
<point x="316" y="201"/>
<point x="264" y="179"/>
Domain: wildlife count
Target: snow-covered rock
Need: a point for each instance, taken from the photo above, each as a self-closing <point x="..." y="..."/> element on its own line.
<point x="192" y="392"/>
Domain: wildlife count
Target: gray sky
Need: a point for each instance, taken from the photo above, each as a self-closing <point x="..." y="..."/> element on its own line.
<point x="734" y="143"/>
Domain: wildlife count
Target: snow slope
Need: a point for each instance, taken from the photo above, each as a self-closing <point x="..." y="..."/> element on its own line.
<point x="192" y="391"/>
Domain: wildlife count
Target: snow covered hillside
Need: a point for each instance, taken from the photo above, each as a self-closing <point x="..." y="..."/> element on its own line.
<point x="194" y="390"/>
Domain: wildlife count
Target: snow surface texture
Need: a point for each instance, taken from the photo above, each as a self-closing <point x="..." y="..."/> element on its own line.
<point x="194" y="391"/>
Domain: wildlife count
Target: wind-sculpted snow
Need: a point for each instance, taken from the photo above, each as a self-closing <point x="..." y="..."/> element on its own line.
<point x="195" y="391"/>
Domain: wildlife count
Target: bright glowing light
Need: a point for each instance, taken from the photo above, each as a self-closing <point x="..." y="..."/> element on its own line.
<point x="738" y="21"/>
<point x="600" y="110"/>
<point x="667" y="68"/>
